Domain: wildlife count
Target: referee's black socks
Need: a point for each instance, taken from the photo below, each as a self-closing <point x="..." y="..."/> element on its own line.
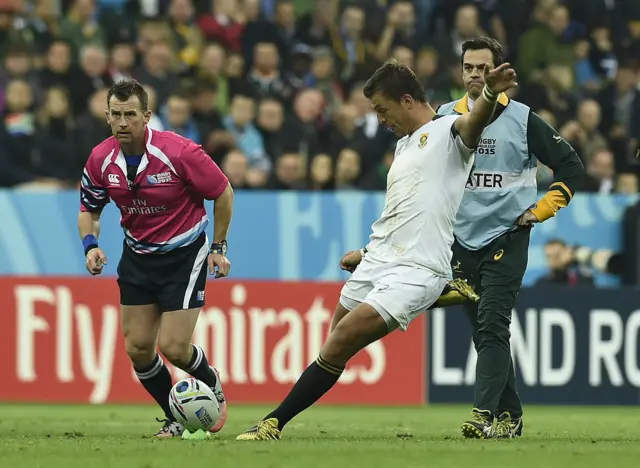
<point x="156" y="379"/>
<point x="199" y="368"/>
<point x="314" y="382"/>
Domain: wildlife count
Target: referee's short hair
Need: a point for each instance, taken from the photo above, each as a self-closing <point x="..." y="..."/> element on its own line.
<point x="482" y="43"/>
<point x="124" y="89"/>
<point x="394" y="80"/>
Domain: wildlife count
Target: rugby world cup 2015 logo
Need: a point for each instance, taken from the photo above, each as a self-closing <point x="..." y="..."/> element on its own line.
<point x="160" y="178"/>
<point x="423" y="140"/>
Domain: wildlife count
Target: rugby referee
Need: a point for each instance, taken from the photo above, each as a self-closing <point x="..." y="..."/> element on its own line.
<point x="159" y="181"/>
<point x="493" y="227"/>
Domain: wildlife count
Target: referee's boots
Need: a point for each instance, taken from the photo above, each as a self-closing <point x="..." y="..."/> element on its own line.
<point x="170" y="429"/>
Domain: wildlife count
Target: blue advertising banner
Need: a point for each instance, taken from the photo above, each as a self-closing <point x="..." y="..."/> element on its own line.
<point x="570" y="346"/>
<point x="276" y="236"/>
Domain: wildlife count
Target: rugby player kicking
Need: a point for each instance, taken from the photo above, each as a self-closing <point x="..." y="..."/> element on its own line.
<point x="404" y="268"/>
<point x="159" y="181"/>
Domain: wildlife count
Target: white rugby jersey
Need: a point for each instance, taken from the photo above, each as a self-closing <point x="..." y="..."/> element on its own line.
<point x="424" y="188"/>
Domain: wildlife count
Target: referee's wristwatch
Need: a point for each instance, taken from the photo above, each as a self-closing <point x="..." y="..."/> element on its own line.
<point x="219" y="248"/>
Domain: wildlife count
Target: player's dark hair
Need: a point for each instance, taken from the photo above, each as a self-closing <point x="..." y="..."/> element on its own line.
<point x="394" y="80"/>
<point x="124" y="89"/>
<point x="482" y="43"/>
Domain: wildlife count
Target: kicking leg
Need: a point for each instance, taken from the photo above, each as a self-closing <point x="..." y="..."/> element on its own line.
<point x="140" y="325"/>
<point x="176" y="333"/>
<point x="355" y="331"/>
<point x="340" y="313"/>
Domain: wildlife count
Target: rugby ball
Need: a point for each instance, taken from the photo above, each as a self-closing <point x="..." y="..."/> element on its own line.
<point x="194" y="405"/>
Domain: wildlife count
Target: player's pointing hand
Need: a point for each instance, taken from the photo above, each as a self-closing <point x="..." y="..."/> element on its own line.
<point x="500" y="78"/>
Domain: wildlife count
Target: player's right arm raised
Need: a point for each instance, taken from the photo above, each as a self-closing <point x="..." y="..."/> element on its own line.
<point x="93" y="198"/>
<point x="470" y="126"/>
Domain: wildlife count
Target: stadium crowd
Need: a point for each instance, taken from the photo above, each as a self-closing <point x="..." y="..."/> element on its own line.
<point x="272" y="88"/>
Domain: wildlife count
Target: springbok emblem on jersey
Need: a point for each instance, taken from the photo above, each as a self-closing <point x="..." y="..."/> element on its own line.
<point x="423" y="140"/>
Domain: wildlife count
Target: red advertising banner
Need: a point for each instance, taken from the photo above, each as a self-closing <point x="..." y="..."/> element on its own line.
<point x="60" y="340"/>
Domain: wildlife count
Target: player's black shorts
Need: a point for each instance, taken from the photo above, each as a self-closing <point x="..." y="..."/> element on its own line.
<point x="173" y="280"/>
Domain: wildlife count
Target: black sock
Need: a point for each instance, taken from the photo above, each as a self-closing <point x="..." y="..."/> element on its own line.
<point x="314" y="382"/>
<point x="156" y="379"/>
<point x="199" y="368"/>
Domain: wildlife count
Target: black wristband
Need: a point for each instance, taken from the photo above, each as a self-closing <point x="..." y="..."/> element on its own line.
<point x="219" y="248"/>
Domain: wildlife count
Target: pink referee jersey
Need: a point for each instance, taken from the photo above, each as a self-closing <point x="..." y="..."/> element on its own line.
<point x="163" y="208"/>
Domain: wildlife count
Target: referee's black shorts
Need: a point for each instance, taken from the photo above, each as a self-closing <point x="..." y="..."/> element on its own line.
<point x="174" y="280"/>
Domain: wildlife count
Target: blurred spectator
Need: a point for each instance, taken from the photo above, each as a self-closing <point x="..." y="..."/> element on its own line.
<point x="92" y="77"/>
<point x="601" y="54"/>
<point x="17" y="134"/>
<point x="57" y="70"/>
<point x="301" y="134"/>
<point x="158" y="70"/>
<point x="288" y="174"/>
<point x="400" y="30"/>
<point x="321" y="173"/>
<point x="427" y="70"/>
<point x="211" y="68"/>
<point x="177" y="117"/>
<point x="583" y="133"/>
<point x="280" y="32"/>
<point x="322" y="77"/>
<point x="186" y="34"/>
<point x="55" y="142"/>
<point x="404" y="55"/>
<point x="563" y="270"/>
<point x="269" y="123"/>
<point x="546" y="44"/>
<point x="467" y="26"/>
<point x="43" y="24"/>
<point x="225" y="24"/>
<point x="81" y="28"/>
<point x="349" y="44"/>
<point x="265" y="76"/>
<point x="314" y="28"/>
<point x="551" y="89"/>
<point x="342" y="130"/>
<point x="620" y="103"/>
<point x="235" y="166"/>
<point x="207" y="118"/>
<point x="348" y="169"/>
<point x="587" y="78"/>
<point x="17" y="65"/>
<point x="600" y="173"/>
<point x="122" y="62"/>
<point x="239" y="124"/>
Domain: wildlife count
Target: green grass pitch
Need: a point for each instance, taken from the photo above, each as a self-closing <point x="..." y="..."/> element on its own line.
<point x="327" y="437"/>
